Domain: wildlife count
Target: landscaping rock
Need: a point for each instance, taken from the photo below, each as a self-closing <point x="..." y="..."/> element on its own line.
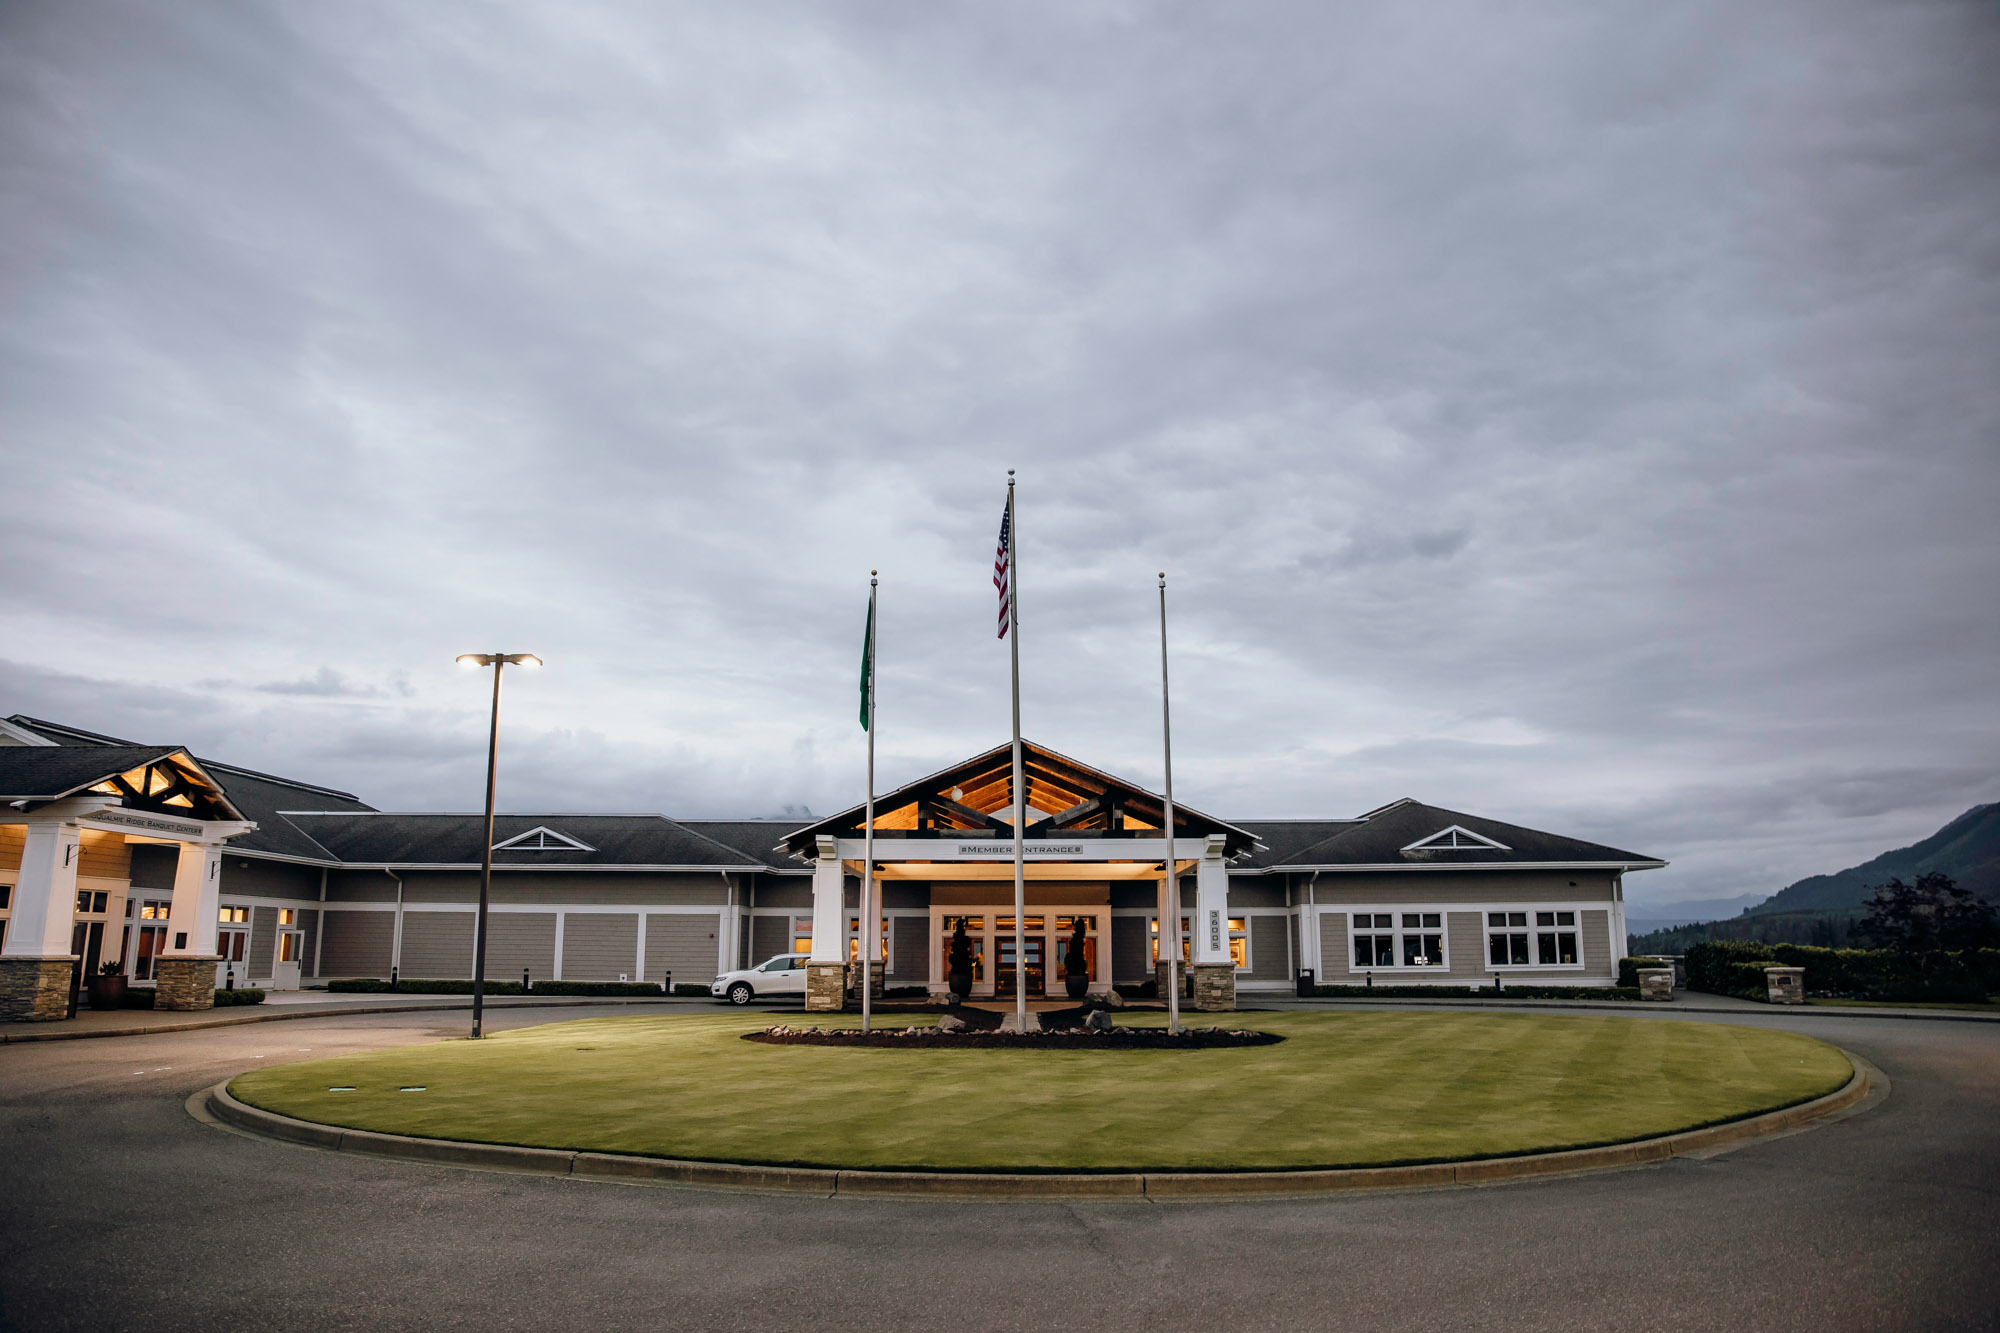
<point x="1099" y="1021"/>
<point x="1027" y="1022"/>
<point x="953" y="1023"/>
<point x="1113" y="1000"/>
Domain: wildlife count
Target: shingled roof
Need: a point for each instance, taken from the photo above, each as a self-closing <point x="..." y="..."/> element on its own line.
<point x="1391" y="836"/>
<point x="624" y="841"/>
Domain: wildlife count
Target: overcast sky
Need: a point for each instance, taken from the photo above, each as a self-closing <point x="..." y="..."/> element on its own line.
<point x="1584" y="415"/>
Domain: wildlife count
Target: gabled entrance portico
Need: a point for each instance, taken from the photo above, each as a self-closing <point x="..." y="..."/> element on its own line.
<point x="135" y="794"/>
<point x="950" y="837"/>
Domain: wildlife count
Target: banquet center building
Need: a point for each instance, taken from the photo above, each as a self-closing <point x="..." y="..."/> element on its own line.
<point x="197" y="874"/>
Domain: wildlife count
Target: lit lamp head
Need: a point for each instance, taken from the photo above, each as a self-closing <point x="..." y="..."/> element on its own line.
<point x="488" y="659"/>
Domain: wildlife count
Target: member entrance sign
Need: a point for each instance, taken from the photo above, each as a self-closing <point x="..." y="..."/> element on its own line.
<point x="1089" y="849"/>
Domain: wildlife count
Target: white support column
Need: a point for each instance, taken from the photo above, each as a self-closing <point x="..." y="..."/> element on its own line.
<point x="829" y="906"/>
<point x="826" y="967"/>
<point x="1211" y="905"/>
<point x="45" y="894"/>
<point x="197" y="900"/>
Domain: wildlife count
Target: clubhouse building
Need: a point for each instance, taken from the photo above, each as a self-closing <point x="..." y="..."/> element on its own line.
<point x="198" y="874"/>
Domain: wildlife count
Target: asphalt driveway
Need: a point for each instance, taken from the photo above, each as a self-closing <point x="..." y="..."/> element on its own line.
<point x="117" y="1210"/>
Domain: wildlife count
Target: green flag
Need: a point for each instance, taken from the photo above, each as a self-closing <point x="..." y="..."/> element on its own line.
<point x="868" y="668"/>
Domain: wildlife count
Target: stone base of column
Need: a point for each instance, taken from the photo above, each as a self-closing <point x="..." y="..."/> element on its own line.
<point x="1162" y="985"/>
<point x="1214" y="986"/>
<point x="826" y="987"/>
<point x="35" y="990"/>
<point x="184" y="983"/>
<point x="874" y="976"/>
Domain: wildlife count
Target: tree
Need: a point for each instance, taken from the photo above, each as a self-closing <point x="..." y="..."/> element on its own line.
<point x="1933" y="913"/>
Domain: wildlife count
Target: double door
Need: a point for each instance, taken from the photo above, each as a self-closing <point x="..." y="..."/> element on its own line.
<point x="1033" y="952"/>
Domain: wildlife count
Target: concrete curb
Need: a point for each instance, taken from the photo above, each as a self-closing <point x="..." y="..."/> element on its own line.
<point x="286" y="1012"/>
<point x="218" y="1103"/>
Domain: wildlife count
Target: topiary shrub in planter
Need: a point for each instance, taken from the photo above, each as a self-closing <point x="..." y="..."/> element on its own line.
<point x="958" y="964"/>
<point x="1076" y="964"/>
<point x="108" y="987"/>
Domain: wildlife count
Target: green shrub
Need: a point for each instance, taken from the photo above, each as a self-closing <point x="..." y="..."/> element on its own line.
<point x="358" y="985"/>
<point x="138" y="997"/>
<point x="1628" y="968"/>
<point x="601" y="988"/>
<point x="1518" y="991"/>
<point x="1736" y="967"/>
<point x="242" y="995"/>
<point x="686" y="988"/>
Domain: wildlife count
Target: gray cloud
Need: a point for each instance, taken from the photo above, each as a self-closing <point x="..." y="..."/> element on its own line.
<point x="1582" y="414"/>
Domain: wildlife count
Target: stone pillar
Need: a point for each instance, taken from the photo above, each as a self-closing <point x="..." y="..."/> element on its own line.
<point x="826" y="971"/>
<point x="874" y="976"/>
<point x="36" y="966"/>
<point x="1656" y="983"/>
<point x="1214" y="968"/>
<point x="1785" y="985"/>
<point x="184" y="982"/>
<point x="191" y="920"/>
<point x="1214" y="986"/>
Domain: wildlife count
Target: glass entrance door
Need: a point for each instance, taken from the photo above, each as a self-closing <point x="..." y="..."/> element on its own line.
<point x="1033" y="946"/>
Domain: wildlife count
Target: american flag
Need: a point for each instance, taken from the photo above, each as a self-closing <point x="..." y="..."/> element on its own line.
<point x="1002" y="558"/>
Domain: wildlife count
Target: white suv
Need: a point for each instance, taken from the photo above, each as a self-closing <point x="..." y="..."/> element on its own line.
<point x="783" y="975"/>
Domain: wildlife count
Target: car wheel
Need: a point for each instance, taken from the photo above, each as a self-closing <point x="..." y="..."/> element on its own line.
<point x="740" y="993"/>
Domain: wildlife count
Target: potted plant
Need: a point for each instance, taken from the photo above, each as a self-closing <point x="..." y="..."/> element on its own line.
<point x="107" y="988"/>
<point x="1076" y="964"/>
<point x="958" y="964"/>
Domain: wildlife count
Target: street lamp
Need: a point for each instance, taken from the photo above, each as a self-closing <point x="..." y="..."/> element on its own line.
<point x="499" y="662"/>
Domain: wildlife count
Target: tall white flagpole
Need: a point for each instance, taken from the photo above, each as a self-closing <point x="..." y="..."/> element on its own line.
<point x="869" y="933"/>
<point x="1020" y="789"/>
<point x="1170" y="884"/>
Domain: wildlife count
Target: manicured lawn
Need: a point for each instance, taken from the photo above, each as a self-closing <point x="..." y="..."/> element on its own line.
<point x="1345" y="1089"/>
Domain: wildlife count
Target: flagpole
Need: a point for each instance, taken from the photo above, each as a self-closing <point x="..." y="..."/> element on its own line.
<point x="1020" y="793"/>
<point x="869" y="933"/>
<point x="1170" y="886"/>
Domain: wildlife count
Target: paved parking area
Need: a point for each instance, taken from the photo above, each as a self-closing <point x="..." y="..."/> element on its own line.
<point x="119" y="1211"/>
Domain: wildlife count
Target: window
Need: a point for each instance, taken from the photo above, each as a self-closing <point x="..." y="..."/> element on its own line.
<point x="1507" y="939"/>
<point x="1239" y="941"/>
<point x="152" y="911"/>
<point x="1154" y="927"/>
<point x="229" y="915"/>
<point x="87" y="901"/>
<point x="854" y="940"/>
<point x="288" y="947"/>
<point x="230" y="944"/>
<point x="975" y="931"/>
<point x="6" y="896"/>
<point x="288" y="916"/>
<point x="1371" y="950"/>
<point x="1398" y="939"/>
<point x="1555" y="939"/>
<point x="1423" y="939"/>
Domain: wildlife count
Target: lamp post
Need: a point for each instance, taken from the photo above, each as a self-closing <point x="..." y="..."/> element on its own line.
<point x="498" y="661"/>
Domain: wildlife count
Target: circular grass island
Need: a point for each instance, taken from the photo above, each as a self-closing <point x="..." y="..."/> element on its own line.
<point x="1344" y="1089"/>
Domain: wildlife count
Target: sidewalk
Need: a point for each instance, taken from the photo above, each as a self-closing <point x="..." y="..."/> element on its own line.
<point x="298" y="1004"/>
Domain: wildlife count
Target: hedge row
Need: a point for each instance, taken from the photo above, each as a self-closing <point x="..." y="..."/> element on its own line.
<point x="463" y="986"/>
<point x="1628" y="968"/>
<point x="241" y="995"/>
<point x="1736" y="967"/>
<point x="1520" y="991"/>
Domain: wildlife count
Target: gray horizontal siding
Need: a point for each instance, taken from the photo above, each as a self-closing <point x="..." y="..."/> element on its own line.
<point x="910" y="949"/>
<point x="1334" y="959"/>
<point x="357" y="944"/>
<point x="1269" y="960"/>
<point x="600" y="946"/>
<point x="1128" y="950"/>
<point x="309" y="945"/>
<point x="437" y="945"/>
<point x="769" y="936"/>
<point x="521" y="940"/>
<point x="685" y="943"/>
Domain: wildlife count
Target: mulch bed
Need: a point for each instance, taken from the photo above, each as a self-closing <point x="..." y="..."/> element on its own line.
<point x="986" y="1039"/>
